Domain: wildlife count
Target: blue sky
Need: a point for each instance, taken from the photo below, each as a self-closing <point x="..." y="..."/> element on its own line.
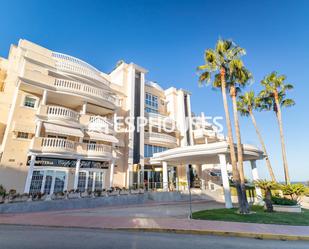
<point x="169" y="37"/>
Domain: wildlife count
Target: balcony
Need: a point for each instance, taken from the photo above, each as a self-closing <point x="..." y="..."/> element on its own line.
<point x="59" y="113"/>
<point x="209" y="134"/>
<point x="53" y="145"/>
<point x="94" y="150"/>
<point x="73" y="65"/>
<point x="86" y="90"/>
<point x="159" y="120"/>
<point x="98" y="123"/>
<point x="64" y="146"/>
<point x="161" y="139"/>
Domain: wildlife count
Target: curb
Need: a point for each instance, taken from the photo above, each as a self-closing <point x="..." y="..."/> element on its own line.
<point x="261" y="236"/>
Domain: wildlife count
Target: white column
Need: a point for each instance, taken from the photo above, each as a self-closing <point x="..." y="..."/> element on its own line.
<point x="86" y="183"/>
<point x="84" y="108"/>
<point x="111" y="174"/>
<point x="29" y="175"/>
<point x="66" y="181"/>
<point x="53" y="183"/>
<point x="76" y="174"/>
<point x="255" y="177"/>
<point x="43" y="182"/>
<point x="93" y="180"/>
<point x="225" y="181"/>
<point x="165" y="177"/>
<point x="44" y="98"/>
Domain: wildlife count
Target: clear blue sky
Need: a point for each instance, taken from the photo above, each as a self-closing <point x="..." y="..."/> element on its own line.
<point x="169" y="37"/>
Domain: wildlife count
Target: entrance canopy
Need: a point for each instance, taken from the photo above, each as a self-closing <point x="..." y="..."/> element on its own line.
<point x="204" y="154"/>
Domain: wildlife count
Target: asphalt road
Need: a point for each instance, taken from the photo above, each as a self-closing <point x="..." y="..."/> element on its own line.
<point x="25" y="237"/>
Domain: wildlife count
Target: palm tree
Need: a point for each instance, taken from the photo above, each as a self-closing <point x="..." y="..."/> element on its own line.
<point x="267" y="186"/>
<point x="237" y="78"/>
<point x="246" y="104"/>
<point x="273" y="98"/>
<point x="219" y="62"/>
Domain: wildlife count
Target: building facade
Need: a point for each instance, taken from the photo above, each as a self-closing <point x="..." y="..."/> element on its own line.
<point x="65" y="125"/>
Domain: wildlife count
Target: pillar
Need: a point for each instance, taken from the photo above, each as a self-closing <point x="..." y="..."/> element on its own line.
<point x="43" y="182"/>
<point x="53" y="183"/>
<point x="86" y="182"/>
<point x="111" y="174"/>
<point x="255" y="177"/>
<point x="76" y="176"/>
<point x="165" y="177"/>
<point x="225" y="181"/>
<point x="84" y="108"/>
<point x="93" y="181"/>
<point x="44" y="98"/>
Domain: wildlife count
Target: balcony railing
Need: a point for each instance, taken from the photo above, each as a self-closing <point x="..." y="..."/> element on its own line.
<point x="81" y="88"/>
<point x="59" y="145"/>
<point x="54" y="145"/>
<point x="98" y="123"/>
<point x="73" y="65"/>
<point x="59" y="112"/>
<point x="160" y="120"/>
<point x="98" y="150"/>
<point x="160" y="138"/>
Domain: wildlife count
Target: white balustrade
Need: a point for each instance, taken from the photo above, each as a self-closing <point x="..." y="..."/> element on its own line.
<point x="160" y="137"/>
<point x="57" y="145"/>
<point x="81" y="88"/>
<point x="62" y="112"/>
<point x="71" y="64"/>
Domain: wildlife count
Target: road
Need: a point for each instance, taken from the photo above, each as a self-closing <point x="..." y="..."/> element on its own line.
<point x="26" y="237"/>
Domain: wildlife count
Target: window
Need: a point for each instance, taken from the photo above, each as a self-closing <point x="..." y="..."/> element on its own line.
<point x="151" y="102"/>
<point x="98" y="181"/>
<point x="29" y="102"/>
<point x="23" y="135"/>
<point x="149" y="150"/>
<point x="81" y="181"/>
<point x="36" y="182"/>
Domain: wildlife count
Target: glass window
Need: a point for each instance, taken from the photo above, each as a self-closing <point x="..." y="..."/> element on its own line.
<point x="90" y="181"/>
<point x="29" y="102"/>
<point x="23" y="135"/>
<point x="36" y="182"/>
<point x="149" y="150"/>
<point x="48" y="181"/>
<point x="81" y="181"/>
<point x="98" y="185"/>
<point x="59" y="182"/>
<point x="151" y="102"/>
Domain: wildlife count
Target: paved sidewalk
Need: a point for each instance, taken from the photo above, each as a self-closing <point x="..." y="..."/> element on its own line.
<point x="97" y="219"/>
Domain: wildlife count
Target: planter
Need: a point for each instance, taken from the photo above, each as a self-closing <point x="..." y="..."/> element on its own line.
<point x="1" y="199"/>
<point x="141" y="191"/>
<point x="113" y="193"/>
<point x="134" y="191"/>
<point x="84" y="194"/>
<point x="124" y="192"/>
<point x="287" y="209"/>
<point x="74" y="195"/>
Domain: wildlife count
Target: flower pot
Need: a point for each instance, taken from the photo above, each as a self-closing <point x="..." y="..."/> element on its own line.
<point x="74" y="195"/>
<point x="124" y="192"/>
<point x="287" y="209"/>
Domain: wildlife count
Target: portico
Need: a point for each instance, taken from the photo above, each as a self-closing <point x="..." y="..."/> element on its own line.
<point x="213" y="153"/>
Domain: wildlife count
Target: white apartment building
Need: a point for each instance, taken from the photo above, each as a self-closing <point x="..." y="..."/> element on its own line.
<point x="57" y="128"/>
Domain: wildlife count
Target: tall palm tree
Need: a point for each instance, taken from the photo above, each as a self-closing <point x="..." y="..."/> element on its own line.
<point x="219" y="63"/>
<point x="237" y="78"/>
<point x="273" y="98"/>
<point x="246" y="104"/>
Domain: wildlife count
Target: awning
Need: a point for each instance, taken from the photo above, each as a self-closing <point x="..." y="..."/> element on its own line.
<point x="23" y="127"/>
<point x="102" y="137"/>
<point x="63" y="130"/>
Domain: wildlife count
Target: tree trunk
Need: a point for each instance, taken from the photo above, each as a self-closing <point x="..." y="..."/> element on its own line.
<point x="279" y="118"/>
<point x="236" y="177"/>
<point x="270" y="169"/>
<point x="268" y="203"/>
<point x="244" y="205"/>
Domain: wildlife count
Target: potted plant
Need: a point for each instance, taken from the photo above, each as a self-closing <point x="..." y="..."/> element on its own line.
<point x="124" y="191"/>
<point x="267" y="186"/>
<point x="97" y="192"/>
<point x="2" y="193"/>
<point x="73" y="194"/>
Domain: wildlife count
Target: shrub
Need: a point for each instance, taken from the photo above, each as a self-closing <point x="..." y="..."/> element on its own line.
<point x="294" y="191"/>
<point x="283" y="201"/>
<point x="12" y="192"/>
<point x="2" y="191"/>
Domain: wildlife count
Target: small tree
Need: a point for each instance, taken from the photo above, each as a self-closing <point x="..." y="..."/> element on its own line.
<point x="267" y="186"/>
<point x="294" y="191"/>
